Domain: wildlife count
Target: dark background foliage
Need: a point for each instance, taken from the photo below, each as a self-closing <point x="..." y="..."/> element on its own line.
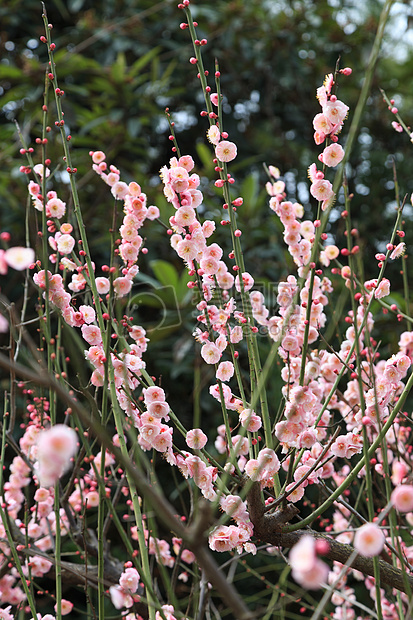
<point x="121" y="63"/>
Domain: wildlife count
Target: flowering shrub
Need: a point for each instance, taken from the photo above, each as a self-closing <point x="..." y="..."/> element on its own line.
<point x="323" y="471"/>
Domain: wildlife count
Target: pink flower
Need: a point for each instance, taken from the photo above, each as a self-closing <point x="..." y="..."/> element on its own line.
<point x="332" y="155"/>
<point x="247" y="281"/>
<point x="250" y="420"/>
<point x="163" y="441"/>
<point x="213" y="135"/>
<point x="223" y="538"/>
<point x="19" y="258"/>
<point x="152" y="394"/>
<point x="152" y="213"/>
<point x="308" y="570"/>
<point x="39" y="170"/>
<point x="98" y="157"/>
<point x="88" y="313"/>
<point x="129" y="580"/>
<point x="225" y="371"/>
<point x="92" y="335"/>
<point x="66" y="607"/>
<point x="159" y="409"/>
<point x="214" y="98"/>
<point x="187" y="249"/>
<point x="102" y="285"/>
<point x="65" y="244"/>
<point x="402" y="498"/>
<point x="321" y="190"/>
<point x="303" y="554"/>
<point x="120" y="598"/>
<point x="398" y="251"/>
<point x="179" y="179"/>
<point x="185" y="216"/>
<point x="122" y="286"/>
<point x="196" y="439"/>
<point x="369" y="540"/>
<point x="209" y="265"/>
<point x="55" y="208"/>
<point x="168" y="612"/>
<point x="186" y="162"/>
<point x="335" y="111"/>
<point x="210" y="353"/>
<point x="119" y="190"/>
<point x="268" y="459"/>
<point x="55" y="447"/>
<point x="226" y="151"/>
<point x="322" y="125"/>
<point x="383" y="289"/>
<point x="314" y="578"/>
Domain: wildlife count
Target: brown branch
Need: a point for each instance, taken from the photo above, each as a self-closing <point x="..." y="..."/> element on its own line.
<point x="268" y="528"/>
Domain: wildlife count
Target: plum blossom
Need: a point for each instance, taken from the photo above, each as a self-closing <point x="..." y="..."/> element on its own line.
<point x="19" y="258"/>
<point x="65" y="244"/>
<point x="335" y="111"/>
<point x="210" y="353"/>
<point x="196" y="439"/>
<point x="226" y="151"/>
<point x="225" y="371"/>
<point x="383" y="289"/>
<point x="332" y="155"/>
<point x="402" y="498"/>
<point x="321" y="189"/>
<point x="55" y="448"/>
<point x="307" y="569"/>
<point x="369" y="540"/>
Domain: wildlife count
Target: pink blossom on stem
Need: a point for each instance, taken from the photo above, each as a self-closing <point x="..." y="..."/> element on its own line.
<point x="102" y="285"/>
<point x="247" y="281"/>
<point x="402" y="498"/>
<point x="122" y="286"/>
<point x="92" y="335"/>
<point x="65" y="606"/>
<point x="225" y="371"/>
<point x="226" y="151"/>
<point x="210" y="353"/>
<point x="250" y="420"/>
<point x="398" y="251"/>
<point x="196" y="439"/>
<point x="335" y="111"/>
<point x="55" y="447"/>
<point x="321" y="190"/>
<point x="307" y="569"/>
<point x="369" y="540"/>
<point x="55" y="208"/>
<point x="19" y="258"/>
<point x="65" y="243"/>
<point x="383" y="289"/>
<point x="332" y="155"/>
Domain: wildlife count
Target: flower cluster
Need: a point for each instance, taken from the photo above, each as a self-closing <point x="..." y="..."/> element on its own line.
<point x="338" y="398"/>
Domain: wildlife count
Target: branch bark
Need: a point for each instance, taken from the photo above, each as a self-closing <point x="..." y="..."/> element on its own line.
<point x="269" y="528"/>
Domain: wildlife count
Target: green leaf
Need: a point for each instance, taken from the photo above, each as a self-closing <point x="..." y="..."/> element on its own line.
<point x="204" y="154"/>
<point x="153" y="300"/>
<point x="143" y="60"/>
<point x="183" y="294"/>
<point x="165" y="272"/>
<point x="119" y="67"/>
